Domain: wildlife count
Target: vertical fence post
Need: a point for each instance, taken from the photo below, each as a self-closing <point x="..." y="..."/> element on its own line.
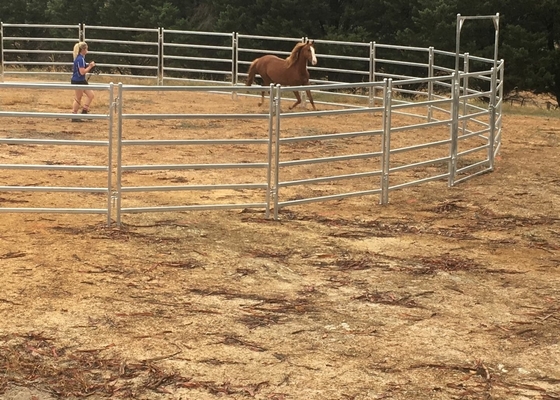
<point x="160" y="65"/>
<point x="234" y="64"/>
<point x="82" y="32"/>
<point x="492" y="110"/>
<point x="454" y="130"/>
<point x="501" y="96"/>
<point x="110" y="154"/>
<point x="496" y="21"/>
<point x="386" y="139"/>
<point x="118" y="193"/>
<point x="458" y="27"/>
<point x="431" y="82"/>
<point x="276" y="99"/>
<point x="269" y="186"/>
<point x="235" y="59"/>
<point x="303" y="94"/>
<point x="1" y="52"/>
<point x="466" y="69"/>
<point x="372" y="89"/>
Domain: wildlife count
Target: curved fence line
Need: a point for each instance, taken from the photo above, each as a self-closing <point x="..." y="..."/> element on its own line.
<point x="276" y="179"/>
<point x="460" y="110"/>
<point x="210" y="56"/>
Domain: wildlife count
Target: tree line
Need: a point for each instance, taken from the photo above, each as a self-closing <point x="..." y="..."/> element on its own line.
<point x="529" y="31"/>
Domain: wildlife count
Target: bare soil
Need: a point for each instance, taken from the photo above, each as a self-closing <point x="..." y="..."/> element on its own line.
<point x="444" y="293"/>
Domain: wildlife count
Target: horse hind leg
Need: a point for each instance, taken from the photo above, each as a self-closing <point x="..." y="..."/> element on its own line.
<point x="266" y="82"/>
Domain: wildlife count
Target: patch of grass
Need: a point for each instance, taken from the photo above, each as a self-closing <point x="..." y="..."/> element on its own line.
<point x="531" y="111"/>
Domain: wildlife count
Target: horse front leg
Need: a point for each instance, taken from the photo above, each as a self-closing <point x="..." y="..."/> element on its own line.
<point x="298" y="98"/>
<point x="308" y="92"/>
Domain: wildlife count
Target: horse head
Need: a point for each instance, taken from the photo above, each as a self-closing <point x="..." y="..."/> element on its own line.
<point x="305" y="50"/>
<point x="311" y="47"/>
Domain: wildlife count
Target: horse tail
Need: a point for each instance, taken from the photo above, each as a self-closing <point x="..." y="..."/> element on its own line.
<point x="251" y="73"/>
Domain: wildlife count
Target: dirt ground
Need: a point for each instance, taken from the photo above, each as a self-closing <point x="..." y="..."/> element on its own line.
<point x="444" y="293"/>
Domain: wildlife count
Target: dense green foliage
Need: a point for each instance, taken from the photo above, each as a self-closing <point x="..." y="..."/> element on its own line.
<point x="529" y="30"/>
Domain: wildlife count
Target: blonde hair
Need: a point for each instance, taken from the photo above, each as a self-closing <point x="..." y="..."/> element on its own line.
<point x="78" y="47"/>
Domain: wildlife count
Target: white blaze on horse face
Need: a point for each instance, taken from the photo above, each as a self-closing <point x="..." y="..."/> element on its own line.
<point x="313" y="57"/>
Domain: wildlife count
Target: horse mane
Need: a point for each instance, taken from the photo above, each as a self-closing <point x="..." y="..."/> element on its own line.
<point x="292" y="58"/>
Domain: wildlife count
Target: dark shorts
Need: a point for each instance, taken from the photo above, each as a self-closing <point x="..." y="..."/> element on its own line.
<point x="79" y="82"/>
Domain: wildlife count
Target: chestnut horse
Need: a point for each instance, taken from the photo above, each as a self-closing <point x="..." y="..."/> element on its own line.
<point x="291" y="71"/>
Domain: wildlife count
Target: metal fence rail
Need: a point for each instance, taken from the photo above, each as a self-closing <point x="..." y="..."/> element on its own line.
<point x="139" y="58"/>
<point x="198" y="56"/>
<point x="51" y="52"/>
<point x="418" y="92"/>
<point x="103" y="166"/>
<point x="263" y="185"/>
<point x="166" y="56"/>
<point x="302" y="192"/>
<point x="158" y="53"/>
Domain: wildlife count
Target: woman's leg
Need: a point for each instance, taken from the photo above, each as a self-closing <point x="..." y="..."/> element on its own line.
<point x="78" y="93"/>
<point x="89" y="98"/>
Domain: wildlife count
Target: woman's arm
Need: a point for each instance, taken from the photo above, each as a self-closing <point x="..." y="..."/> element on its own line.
<point x="87" y="68"/>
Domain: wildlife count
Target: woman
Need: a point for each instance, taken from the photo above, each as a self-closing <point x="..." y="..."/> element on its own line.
<point x="81" y="68"/>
